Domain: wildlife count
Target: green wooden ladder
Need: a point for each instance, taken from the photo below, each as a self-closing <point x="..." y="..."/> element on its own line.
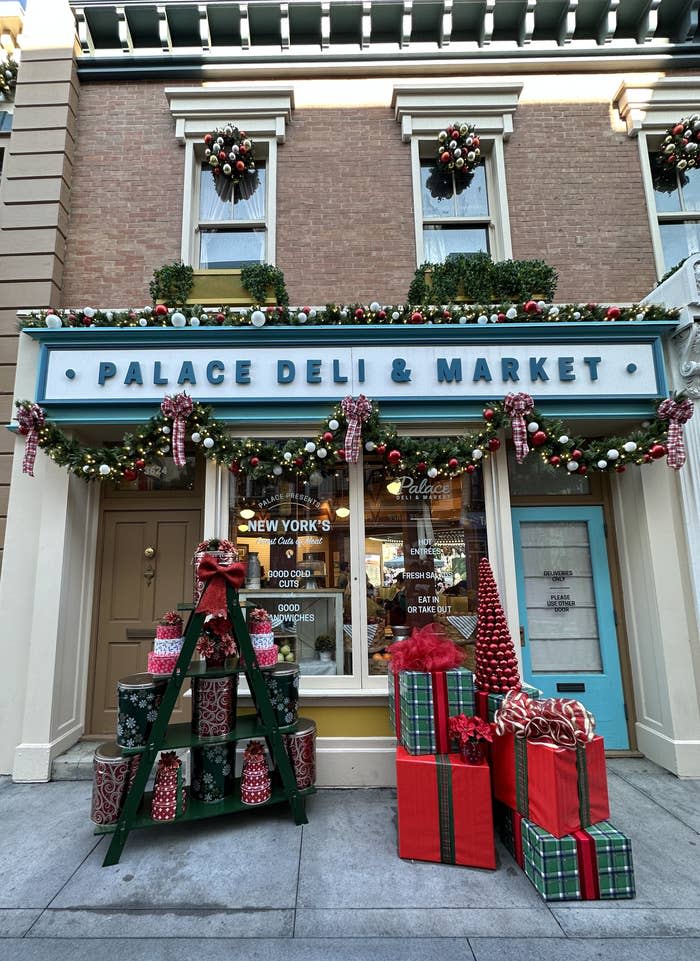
<point x="136" y="812"/>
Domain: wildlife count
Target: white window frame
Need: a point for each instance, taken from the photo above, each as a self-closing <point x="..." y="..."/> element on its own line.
<point x="648" y="110"/>
<point x="263" y="112"/>
<point x="423" y="111"/>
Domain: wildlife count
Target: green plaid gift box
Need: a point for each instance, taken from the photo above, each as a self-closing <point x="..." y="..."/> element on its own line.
<point x="495" y="700"/>
<point x="559" y="870"/>
<point x="418" y="733"/>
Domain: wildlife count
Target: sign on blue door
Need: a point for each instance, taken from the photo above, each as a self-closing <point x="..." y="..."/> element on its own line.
<point x="566" y="611"/>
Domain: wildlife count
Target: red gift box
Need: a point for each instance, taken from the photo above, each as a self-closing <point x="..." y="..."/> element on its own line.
<point x="560" y="789"/>
<point x="444" y="809"/>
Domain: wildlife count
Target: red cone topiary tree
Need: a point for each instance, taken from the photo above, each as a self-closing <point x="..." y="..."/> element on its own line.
<point x="496" y="663"/>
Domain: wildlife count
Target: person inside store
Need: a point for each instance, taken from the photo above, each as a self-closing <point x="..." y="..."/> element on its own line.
<point x="459" y="589"/>
<point x="396" y="609"/>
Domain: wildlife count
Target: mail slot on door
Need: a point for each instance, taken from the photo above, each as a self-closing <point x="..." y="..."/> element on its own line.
<point x="572" y="688"/>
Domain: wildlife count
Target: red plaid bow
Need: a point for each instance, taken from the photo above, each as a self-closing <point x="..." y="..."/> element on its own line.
<point x="217" y="576"/>
<point x="356" y="412"/>
<point x="559" y="720"/>
<point x="30" y="418"/>
<point x="676" y="413"/>
<point x="178" y="408"/>
<point x="518" y="407"/>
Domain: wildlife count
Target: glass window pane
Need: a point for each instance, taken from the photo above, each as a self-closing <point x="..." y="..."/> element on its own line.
<point x="690" y="187"/>
<point x="298" y="533"/>
<point x="211" y="205"/>
<point x="678" y="240"/>
<point x="423" y="543"/>
<point x="221" y="249"/>
<point x="471" y="195"/>
<point x="441" y="241"/>
<point x="249" y="197"/>
<point x="666" y="195"/>
<point x="534" y="477"/>
<point x="437" y="192"/>
<point x="560" y="598"/>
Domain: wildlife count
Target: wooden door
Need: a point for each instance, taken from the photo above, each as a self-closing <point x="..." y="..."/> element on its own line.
<point x="133" y="591"/>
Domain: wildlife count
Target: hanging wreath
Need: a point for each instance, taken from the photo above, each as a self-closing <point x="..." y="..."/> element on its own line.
<point x="458" y="148"/>
<point x="8" y="78"/>
<point x="230" y="153"/>
<point x="331" y="447"/>
<point x="681" y="144"/>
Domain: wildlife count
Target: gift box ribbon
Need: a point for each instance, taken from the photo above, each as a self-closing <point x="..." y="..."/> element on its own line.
<point x="558" y="720"/>
<point x="443" y="771"/>
<point x="587" y="866"/>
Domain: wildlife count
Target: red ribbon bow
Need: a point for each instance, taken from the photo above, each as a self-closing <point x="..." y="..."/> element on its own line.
<point x="30" y="418"/>
<point x="169" y="761"/>
<point x="676" y="413"/>
<point x="356" y="411"/>
<point x="518" y="407"/>
<point x="559" y="720"/>
<point x="178" y="408"/>
<point x="217" y="576"/>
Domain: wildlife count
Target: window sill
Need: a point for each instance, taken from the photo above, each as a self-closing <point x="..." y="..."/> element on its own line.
<point x="212" y="288"/>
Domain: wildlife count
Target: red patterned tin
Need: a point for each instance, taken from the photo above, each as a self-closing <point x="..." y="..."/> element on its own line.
<point x="112" y="776"/>
<point x="214" y="705"/>
<point x="301" y="747"/>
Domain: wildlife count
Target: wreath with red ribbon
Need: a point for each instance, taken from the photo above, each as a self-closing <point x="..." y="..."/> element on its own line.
<point x="230" y="153"/>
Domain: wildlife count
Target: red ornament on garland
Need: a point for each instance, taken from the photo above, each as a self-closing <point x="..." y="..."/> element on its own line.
<point x="489" y="413"/>
<point x="657" y="451"/>
<point x="394" y="456"/>
<point x="530" y="307"/>
<point x="254" y="461"/>
<point x="496" y="664"/>
<point x="453" y="463"/>
<point x="161" y="310"/>
<point x="341" y="454"/>
<point x="494" y="444"/>
<point x="328" y="436"/>
<point x="381" y="448"/>
<point x="470" y="468"/>
<point x="538" y="438"/>
<point x="416" y="317"/>
<point x="613" y="313"/>
<point x="576" y="454"/>
<point x="130" y="474"/>
<point x="555" y="460"/>
<point x="421" y="465"/>
<point x="140" y="463"/>
<point x="235" y="467"/>
<point x="299" y="461"/>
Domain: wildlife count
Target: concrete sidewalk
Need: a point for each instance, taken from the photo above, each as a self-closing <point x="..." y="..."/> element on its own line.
<point x="256" y="888"/>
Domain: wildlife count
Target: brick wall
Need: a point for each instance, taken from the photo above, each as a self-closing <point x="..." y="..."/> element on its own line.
<point x="345" y="209"/>
<point x="576" y="200"/>
<point x="126" y="207"/>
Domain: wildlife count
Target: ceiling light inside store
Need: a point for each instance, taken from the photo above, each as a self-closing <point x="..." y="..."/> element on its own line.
<point x="242" y="528"/>
<point x="394" y="486"/>
<point x="247" y="513"/>
<point x="342" y="512"/>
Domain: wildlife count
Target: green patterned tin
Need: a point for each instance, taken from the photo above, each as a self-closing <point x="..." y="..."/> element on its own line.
<point x="213" y="771"/>
<point x="139" y="699"/>
<point x="283" y="687"/>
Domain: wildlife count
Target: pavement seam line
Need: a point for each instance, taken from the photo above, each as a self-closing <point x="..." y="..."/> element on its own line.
<point x="651" y="798"/>
<point x="296" y="895"/>
<point x="67" y="881"/>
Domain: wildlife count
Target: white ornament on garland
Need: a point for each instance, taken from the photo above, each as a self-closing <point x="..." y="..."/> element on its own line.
<point x="208" y="442"/>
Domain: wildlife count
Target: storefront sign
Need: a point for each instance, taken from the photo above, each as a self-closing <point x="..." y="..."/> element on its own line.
<point x="545" y="370"/>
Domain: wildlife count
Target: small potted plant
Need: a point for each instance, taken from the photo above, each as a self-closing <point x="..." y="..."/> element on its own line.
<point x="216" y="642"/>
<point x="324" y="647"/>
<point x="471" y="735"/>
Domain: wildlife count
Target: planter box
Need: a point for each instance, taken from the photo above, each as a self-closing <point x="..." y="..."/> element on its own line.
<point x="212" y="288"/>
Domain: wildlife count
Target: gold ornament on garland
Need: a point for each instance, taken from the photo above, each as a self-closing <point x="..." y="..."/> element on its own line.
<point x="399" y="455"/>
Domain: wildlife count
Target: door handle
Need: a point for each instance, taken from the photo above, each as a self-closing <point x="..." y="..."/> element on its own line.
<point x="522" y="637"/>
<point x="149" y="553"/>
<point x="149" y="574"/>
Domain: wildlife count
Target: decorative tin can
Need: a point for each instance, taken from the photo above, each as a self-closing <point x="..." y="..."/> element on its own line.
<point x="213" y="771"/>
<point x="283" y="687"/>
<point x="139" y="699"/>
<point x="223" y="557"/>
<point x="301" y="748"/>
<point x="214" y="705"/>
<point x="112" y="776"/>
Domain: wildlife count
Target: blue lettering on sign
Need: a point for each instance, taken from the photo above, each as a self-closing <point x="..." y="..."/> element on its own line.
<point x="313" y="371"/>
<point x="360" y="371"/>
<point x="107" y="369"/>
<point x="187" y="373"/>
<point x="509" y="368"/>
<point x="242" y="371"/>
<point x="400" y="373"/>
<point x="337" y="377"/>
<point x="158" y="380"/>
<point x="133" y="374"/>
<point x="593" y="366"/>
<point x="213" y="367"/>
<point x="566" y="368"/>
<point x="481" y="370"/>
<point x="537" y="371"/>
<point x="447" y="373"/>
<point x="285" y="371"/>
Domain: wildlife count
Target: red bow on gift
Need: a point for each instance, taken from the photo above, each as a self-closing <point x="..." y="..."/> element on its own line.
<point x="30" y="418"/>
<point x="676" y="413"/>
<point x="518" y="407"/>
<point x="169" y="761"/>
<point x="178" y="408"/>
<point x="560" y="720"/>
<point x="356" y="411"/>
<point x="426" y="650"/>
<point x="217" y="576"/>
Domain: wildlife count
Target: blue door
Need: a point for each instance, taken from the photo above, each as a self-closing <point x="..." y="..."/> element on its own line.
<point x="566" y="612"/>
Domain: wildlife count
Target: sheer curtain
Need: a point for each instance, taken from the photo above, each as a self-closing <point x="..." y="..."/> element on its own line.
<point x="219" y="199"/>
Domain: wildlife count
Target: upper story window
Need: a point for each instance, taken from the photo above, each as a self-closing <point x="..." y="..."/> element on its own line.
<point x="232" y="225"/>
<point x="649" y="109"/>
<point x="677" y="203"/>
<point x="458" y="214"/>
<point x="226" y="226"/>
<point x="455" y="210"/>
